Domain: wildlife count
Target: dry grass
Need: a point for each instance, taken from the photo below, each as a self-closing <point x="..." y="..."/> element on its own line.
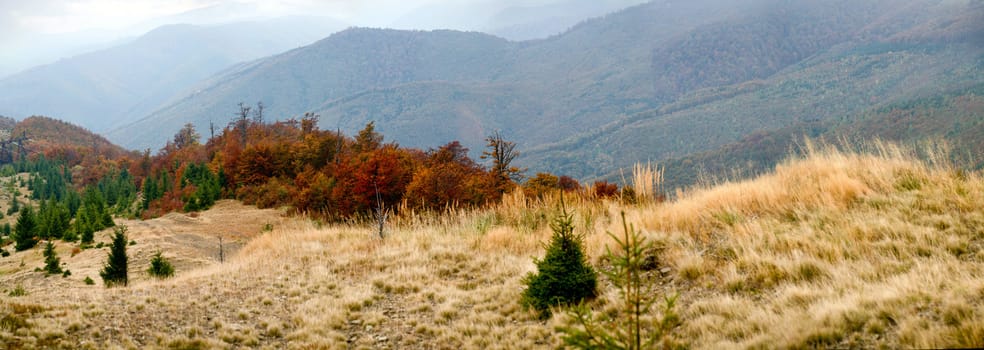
<point x="837" y="249"/>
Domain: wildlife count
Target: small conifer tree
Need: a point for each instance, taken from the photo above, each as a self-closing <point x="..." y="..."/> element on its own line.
<point x="52" y="265"/>
<point x="631" y="328"/>
<point x="160" y="267"/>
<point x="115" y="271"/>
<point x="25" y="233"/>
<point x="564" y="276"/>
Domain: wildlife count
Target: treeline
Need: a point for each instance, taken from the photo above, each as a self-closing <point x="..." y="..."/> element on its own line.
<point x="292" y="163"/>
<point x="319" y="172"/>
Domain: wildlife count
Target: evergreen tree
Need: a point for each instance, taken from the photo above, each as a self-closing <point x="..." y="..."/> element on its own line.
<point x="50" y="220"/>
<point x="206" y="184"/>
<point x="160" y="267"/>
<point x="149" y="192"/>
<point x="72" y="203"/>
<point x="14" y="204"/>
<point x="564" y="276"/>
<point x="26" y="231"/>
<point x="52" y="265"/>
<point x="70" y="235"/>
<point x="92" y="216"/>
<point x="115" y="271"/>
<point x="84" y="226"/>
<point x="633" y="326"/>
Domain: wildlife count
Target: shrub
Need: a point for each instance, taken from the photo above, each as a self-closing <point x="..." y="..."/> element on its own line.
<point x="604" y="189"/>
<point x="160" y="267"/>
<point x="563" y="276"/>
<point x="18" y="291"/>
<point x="88" y="281"/>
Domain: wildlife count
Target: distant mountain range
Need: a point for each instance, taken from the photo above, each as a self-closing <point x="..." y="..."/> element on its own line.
<point x="702" y="86"/>
<point x="123" y="83"/>
<point x="664" y="81"/>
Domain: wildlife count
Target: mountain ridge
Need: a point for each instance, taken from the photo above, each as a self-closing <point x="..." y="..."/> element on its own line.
<point x="103" y="88"/>
<point x="659" y="84"/>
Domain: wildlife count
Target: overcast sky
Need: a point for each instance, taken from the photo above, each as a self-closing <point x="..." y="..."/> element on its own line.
<point x="27" y="17"/>
<point x="40" y="28"/>
<point x="33" y="31"/>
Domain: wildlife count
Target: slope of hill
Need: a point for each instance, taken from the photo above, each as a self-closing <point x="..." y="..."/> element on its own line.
<point x="839" y="88"/>
<point x="528" y="22"/>
<point x="46" y="134"/>
<point x="103" y="89"/>
<point x="658" y="81"/>
<point x="568" y="75"/>
<point x="347" y="63"/>
<point x="759" y="263"/>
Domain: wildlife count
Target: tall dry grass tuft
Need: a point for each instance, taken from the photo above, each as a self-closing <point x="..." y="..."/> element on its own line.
<point x="647" y="182"/>
<point x="840" y="247"/>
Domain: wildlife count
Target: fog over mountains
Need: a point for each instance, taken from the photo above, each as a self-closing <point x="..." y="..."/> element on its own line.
<point x="102" y="89"/>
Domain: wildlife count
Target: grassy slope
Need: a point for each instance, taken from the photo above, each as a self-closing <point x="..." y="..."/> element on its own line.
<point x="836" y="249"/>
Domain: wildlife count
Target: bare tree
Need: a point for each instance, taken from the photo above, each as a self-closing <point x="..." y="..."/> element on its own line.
<point x="242" y="122"/>
<point x="502" y="153"/>
<point x="258" y="113"/>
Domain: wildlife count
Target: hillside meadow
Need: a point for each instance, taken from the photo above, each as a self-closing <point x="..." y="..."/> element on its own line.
<point x="879" y="248"/>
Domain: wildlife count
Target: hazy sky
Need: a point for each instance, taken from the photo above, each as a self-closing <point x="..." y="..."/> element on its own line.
<point x="27" y="17"/>
<point x="39" y="31"/>
<point x="32" y="29"/>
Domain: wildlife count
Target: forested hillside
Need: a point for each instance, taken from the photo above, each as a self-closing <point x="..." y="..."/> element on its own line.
<point x="106" y="88"/>
<point x="659" y="81"/>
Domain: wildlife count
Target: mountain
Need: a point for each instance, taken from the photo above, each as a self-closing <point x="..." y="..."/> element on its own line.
<point x="105" y="88"/>
<point x="515" y="20"/>
<point x="528" y="22"/>
<point x="66" y="140"/>
<point x="661" y="81"/>
<point x="510" y="80"/>
<point x="905" y="57"/>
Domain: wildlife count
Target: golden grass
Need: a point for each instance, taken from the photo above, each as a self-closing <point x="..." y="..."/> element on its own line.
<point x="833" y="249"/>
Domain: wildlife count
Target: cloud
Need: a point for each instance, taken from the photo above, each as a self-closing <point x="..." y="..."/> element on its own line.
<point x="53" y="16"/>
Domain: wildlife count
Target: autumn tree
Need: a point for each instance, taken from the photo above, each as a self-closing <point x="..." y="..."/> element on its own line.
<point x="604" y="189"/>
<point x="448" y="176"/>
<point x="541" y="184"/>
<point x="368" y="139"/>
<point x="383" y="177"/>
<point x="187" y="136"/>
